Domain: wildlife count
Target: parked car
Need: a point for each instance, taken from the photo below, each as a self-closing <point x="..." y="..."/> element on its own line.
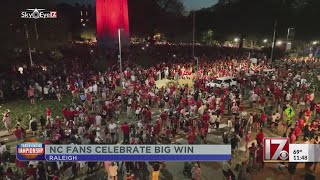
<point x="223" y="82"/>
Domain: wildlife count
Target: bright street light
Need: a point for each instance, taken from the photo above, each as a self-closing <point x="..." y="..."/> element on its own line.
<point x="315" y="42"/>
<point x="265" y="40"/>
<point x="236" y="40"/>
<point x="279" y="43"/>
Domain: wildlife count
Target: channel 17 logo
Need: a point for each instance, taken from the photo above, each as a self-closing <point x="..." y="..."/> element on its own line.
<point x="38" y="14"/>
<point x="276" y="149"/>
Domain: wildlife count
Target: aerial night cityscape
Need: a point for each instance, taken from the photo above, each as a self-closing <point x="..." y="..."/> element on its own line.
<point x="160" y="90"/>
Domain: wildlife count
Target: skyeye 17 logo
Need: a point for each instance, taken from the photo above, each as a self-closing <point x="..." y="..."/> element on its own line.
<point x="38" y="14"/>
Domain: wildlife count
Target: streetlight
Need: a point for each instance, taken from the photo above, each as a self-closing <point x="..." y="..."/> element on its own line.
<point x="279" y="43"/>
<point x="287" y="41"/>
<point x="28" y="41"/>
<point x="120" y="61"/>
<point x="265" y="40"/>
<point x="315" y="42"/>
<point x="236" y="40"/>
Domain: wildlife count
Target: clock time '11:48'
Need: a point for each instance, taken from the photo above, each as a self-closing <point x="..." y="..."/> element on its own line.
<point x="300" y="158"/>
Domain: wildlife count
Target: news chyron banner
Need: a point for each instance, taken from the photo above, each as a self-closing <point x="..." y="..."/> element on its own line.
<point x="31" y="151"/>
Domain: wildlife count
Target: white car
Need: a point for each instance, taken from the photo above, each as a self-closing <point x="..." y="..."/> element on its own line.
<point x="223" y="82"/>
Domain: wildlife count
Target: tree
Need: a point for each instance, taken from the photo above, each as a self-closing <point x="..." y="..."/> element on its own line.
<point x="88" y="34"/>
<point x="208" y="37"/>
<point x="172" y="6"/>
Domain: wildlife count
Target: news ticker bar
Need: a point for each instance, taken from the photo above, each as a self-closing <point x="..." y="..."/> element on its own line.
<point x="128" y="152"/>
<point x="304" y="152"/>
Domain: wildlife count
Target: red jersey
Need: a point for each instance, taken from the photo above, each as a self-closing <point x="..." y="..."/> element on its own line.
<point x="18" y="133"/>
<point x="205" y="117"/>
<point x="260" y="137"/>
<point x="49" y="112"/>
<point x="307" y="113"/>
<point x="297" y="131"/>
<point x="191" y="138"/>
<point x="125" y="129"/>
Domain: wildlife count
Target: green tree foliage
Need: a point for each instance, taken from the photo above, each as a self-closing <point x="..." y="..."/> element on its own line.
<point x="208" y="37"/>
<point x="88" y="34"/>
<point x="172" y="6"/>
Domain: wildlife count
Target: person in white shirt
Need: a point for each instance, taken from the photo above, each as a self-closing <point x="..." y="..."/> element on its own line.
<point x="81" y="131"/>
<point x="46" y="92"/>
<point x="95" y="88"/>
<point x="213" y="119"/>
<point x="90" y="88"/>
<point x="99" y="137"/>
<point x="3" y="148"/>
<point x="133" y="78"/>
<point x="229" y="124"/>
<point x="312" y="96"/>
<point x="113" y="129"/>
<point x="98" y="119"/>
<point x="138" y="110"/>
<point x="140" y="127"/>
<point x="288" y="97"/>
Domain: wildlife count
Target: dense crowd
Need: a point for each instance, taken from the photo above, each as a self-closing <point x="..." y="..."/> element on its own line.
<point x="158" y="113"/>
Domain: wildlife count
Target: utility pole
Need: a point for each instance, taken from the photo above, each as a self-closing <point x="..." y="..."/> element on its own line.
<point x="28" y="41"/>
<point x="193" y="32"/>
<point x="287" y="41"/>
<point x="193" y="39"/>
<point x="121" y="72"/>
<point x="36" y="29"/>
<point x="274" y="39"/>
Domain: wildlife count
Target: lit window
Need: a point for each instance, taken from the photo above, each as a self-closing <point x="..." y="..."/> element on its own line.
<point x="81" y="13"/>
<point x="81" y="20"/>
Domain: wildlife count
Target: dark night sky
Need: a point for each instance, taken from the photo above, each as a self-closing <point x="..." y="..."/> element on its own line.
<point x="189" y="4"/>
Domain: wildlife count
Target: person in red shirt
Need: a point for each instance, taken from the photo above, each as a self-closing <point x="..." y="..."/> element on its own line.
<point x="147" y="114"/>
<point x="307" y="115"/>
<point x="125" y="130"/>
<point x="158" y="127"/>
<point x="48" y="113"/>
<point x="18" y="133"/>
<point x="65" y="112"/>
<point x="91" y="119"/>
<point x="47" y="141"/>
<point x="260" y="137"/>
<point x="263" y="118"/>
<point x="191" y="138"/>
<point x="300" y="123"/>
<point x="164" y="118"/>
<point x="205" y="117"/>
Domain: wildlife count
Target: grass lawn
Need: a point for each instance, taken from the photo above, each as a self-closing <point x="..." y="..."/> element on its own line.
<point x="20" y="109"/>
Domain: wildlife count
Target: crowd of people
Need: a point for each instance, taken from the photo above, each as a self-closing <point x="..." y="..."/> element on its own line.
<point x="143" y="112"/>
